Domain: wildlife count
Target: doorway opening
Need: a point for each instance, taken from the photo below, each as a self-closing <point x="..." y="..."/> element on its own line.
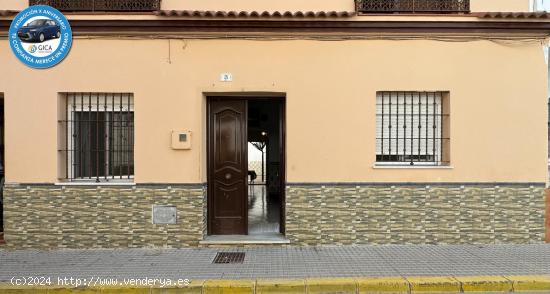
<point x="264" y="160"/>
<point x="246" y="166"/>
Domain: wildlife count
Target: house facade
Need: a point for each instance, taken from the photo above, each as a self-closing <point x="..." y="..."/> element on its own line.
<point x="384" y="122"/>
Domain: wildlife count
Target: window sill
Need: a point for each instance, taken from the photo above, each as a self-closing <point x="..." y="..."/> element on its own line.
<point x="93" y="183"/>
<point x="378" y="166"/>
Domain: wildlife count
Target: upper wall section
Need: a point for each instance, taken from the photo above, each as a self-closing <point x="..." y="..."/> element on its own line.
<point x="293" y="5"/>
<point x="260" y="5"/>
<point x="499" y="5"/>
<point x="322" y="5"/>
<point x="13" y="4"/>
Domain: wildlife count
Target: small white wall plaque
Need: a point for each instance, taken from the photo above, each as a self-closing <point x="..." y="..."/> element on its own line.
<point x="164" y="215"/>
<point x="181" y="140"/>
<point x="226" y="77"/>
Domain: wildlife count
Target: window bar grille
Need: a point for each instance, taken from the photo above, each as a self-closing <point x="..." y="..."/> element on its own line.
<point x="105" y="140"/>
<point x="73" y="133"/>
<point x="412" y="129"/>
<point x="414" y="114"/>
<point x="442" y="140"/>
<point x="68" y="136"/>
<point x="427" y="125"/>
<point x="111" y="138"/>
<point x="390" y="127"/>
<point x="120" y="137"/>
<point x="98" y="145"/>
<point x="404" y="124"/>
<point x="119" y="154"/>
<point x="397" y="125"/>
<point x="128" y="138"/>
<point x="80" y="138"/>
<point x="434" y="129"/>
<point x="89" y="129"/>
<point x="419" y="126"/>
<point x="383" y="126"/>
<point x="97" y="139"/>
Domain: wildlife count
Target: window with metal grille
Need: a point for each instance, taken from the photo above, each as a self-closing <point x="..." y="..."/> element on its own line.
<point x="98" y="136"/>
<point x="412" y="128"/>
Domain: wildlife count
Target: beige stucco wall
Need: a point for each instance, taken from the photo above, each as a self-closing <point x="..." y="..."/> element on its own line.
<point x="322" y="5"/>
<point x="498" y="104"/>
<point x="499" y="5"/>
<point x="13" y="4"/>
<point x="292" y="5"/>
<point x="261" y="5"/>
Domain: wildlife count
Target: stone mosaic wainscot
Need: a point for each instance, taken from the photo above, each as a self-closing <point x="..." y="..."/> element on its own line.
<point x="415" y="214"/>
<point x="48" y="216"/>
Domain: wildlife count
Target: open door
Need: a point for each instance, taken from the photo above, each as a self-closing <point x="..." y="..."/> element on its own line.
<point x="227" y="167"/>
<point x="246" y="191"/>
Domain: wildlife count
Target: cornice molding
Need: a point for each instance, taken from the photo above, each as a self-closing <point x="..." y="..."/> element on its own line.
<point x="174" y="26"/>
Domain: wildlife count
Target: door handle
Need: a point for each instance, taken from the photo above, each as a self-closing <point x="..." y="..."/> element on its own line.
<point x="228" y="176"/>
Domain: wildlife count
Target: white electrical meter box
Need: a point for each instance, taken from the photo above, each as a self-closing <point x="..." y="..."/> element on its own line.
<point x="181" y="140"/>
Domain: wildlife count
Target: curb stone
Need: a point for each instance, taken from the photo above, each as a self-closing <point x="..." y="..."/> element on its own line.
<point x="442" y="284"/>
<point x="280" y="286"/>
<point x="434" y="284"/>
<point x="485" y="284"/>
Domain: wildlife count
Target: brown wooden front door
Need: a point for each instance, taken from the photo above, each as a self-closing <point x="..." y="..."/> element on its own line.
<point x="227" y="167"/>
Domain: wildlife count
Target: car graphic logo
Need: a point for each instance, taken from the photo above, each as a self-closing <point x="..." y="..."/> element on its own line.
<point x="40" y="36"/>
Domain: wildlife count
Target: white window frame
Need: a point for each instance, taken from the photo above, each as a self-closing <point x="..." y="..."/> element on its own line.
<point x="438" y="161"/>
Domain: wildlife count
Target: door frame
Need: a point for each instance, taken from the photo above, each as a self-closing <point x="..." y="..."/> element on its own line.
<point x="281" y="98"/>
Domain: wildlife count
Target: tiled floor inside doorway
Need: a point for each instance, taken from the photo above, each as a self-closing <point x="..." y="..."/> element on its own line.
<point x="263" y="221"/>
<point x="263" y="211"/>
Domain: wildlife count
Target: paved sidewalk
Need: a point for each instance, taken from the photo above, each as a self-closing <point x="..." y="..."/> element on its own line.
<point x="280" y="262"/>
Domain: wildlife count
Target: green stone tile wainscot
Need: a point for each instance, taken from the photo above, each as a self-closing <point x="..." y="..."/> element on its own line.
<point x="51" y="216"/>
<point x="48" y="216"/>
<point x="415" y="214"/>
